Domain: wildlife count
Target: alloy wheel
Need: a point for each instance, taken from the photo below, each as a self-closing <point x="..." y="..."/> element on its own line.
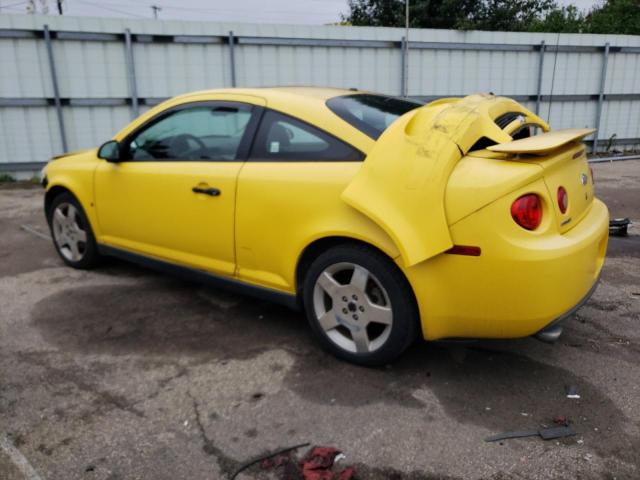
<point x="352" y="307"/>
<point x="70" y="238"/>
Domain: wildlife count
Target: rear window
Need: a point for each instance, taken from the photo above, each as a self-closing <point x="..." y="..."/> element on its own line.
<point x="371" y="114"/>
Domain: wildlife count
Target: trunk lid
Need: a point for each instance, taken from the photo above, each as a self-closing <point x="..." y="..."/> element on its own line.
<point x="403" y="182"/>
<point x="564" y="162"/>
<point x="568" y="168"/>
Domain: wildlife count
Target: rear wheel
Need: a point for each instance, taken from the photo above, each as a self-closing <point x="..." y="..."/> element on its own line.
<point x="71" y="232"/>
<point x="359" y="305"/>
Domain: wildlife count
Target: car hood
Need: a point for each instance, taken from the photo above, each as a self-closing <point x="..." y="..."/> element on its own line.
<point x="401" y="185"/>
<point x="74" y="153"/>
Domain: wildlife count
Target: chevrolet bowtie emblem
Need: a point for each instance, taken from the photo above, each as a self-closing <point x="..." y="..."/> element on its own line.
<point x="584" y="179"/>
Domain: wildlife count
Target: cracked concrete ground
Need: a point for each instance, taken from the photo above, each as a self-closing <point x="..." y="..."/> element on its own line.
<point x="122" y="373"/>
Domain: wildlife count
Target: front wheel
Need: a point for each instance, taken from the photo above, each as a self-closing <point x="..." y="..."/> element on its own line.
<point x="360" y="305"/>
<point x="71" y="232"/>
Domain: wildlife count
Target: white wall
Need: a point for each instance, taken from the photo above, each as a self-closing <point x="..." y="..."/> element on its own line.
<point x="93" y="69"/>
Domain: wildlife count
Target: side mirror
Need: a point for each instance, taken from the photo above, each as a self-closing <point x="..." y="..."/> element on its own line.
<point x="110" y="151"/>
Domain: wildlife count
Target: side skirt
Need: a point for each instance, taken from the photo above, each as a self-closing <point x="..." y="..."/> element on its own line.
<point x="199" y="276"/>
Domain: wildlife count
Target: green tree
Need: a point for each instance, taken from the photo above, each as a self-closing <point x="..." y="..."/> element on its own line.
<point x="611" y="16"/>
<point x="560" y="20"/>
<point x="442" y="13"/>
<point x="615" y="16"/>
<point x="375" y="13"/>
<point x="509" y="15"/>
<point x="422" y="13"/>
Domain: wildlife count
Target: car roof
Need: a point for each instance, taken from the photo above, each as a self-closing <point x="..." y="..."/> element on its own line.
<point x="319" y="94"/>
<point x="305" y="103"/>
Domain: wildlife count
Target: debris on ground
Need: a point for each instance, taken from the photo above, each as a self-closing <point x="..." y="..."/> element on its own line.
<point x="572" y="392"/>
<point x="316" y="464"/>
<point x="561" y="420"/>
<point x="266" y="457"/>
<point x="552" y="433"/>
<point x="544" y="433"/>
<point x="619" y="226"/>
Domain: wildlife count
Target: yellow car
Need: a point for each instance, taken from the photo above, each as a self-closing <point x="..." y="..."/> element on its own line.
<point x="384" y="219"/>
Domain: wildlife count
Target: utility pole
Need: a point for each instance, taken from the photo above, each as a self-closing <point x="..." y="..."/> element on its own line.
<point x="405" y="87"/>
<point x="155" y="9"/>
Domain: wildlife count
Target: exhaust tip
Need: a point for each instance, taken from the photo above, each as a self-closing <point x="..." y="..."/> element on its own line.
<point x="550" y="334"/>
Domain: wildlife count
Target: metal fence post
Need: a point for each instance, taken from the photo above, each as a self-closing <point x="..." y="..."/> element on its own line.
<point x="403" y="68"/>
<point x="540" y="71"/>
<point x="603" y="78"/>
<point x="131" y="73"/>
<point x="56" y="91"/>
<point x="232" y="58"/>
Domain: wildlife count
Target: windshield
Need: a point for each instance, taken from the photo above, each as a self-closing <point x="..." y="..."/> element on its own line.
<point x="371" y="114"/>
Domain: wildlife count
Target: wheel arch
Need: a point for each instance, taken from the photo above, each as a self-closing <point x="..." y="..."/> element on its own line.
<point x="51" y="193"/>
<point x="321" y="245"/>
<point x="57" y="189"/>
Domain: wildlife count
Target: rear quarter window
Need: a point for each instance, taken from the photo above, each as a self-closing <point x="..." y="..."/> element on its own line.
<point x="284" y="138"/>
<point x="369" y="113"/>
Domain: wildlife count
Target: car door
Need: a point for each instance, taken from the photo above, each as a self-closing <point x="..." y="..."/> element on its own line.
<point x="288" y="191"/>
<point x="173" y="194"/>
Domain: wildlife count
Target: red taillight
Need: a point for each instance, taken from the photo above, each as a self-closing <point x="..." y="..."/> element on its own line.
<point x="563" y="199"/>
<point x="527" y="211"/>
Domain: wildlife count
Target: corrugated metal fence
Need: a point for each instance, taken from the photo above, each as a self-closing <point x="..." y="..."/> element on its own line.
<point x="69" y="83"/>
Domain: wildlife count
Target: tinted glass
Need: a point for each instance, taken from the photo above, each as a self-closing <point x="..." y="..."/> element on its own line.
<point x="194" y="133"/>
<point x="281" y="137"/>
<point x="371" y="114"/>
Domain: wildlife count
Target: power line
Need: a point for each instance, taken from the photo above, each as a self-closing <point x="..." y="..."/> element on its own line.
<point x="141" y="5"/>
<point x="14" y="4"/>
<point x="111" y="9"/>
<point x="166" y="6"/>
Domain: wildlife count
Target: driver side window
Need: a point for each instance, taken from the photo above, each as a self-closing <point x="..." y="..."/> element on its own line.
<point x="204" y="132"/>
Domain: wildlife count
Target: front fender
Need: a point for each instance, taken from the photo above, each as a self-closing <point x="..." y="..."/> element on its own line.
<point x="75" y="174"/>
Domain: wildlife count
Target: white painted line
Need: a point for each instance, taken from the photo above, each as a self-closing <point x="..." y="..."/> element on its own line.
<point x="35" y="232"/>
<point x="18" y="459"/>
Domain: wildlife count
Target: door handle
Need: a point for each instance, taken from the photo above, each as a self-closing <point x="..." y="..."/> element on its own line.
<point x="214" y="192"/>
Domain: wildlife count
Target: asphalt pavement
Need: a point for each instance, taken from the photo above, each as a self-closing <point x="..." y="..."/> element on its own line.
<point x="123" y="373"/>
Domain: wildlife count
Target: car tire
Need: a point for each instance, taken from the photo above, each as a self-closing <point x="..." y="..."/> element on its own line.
<point x="71" y="232"/>
<point x="360" y="305"/>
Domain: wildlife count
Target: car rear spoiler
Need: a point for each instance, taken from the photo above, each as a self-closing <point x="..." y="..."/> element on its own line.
<point x="543" y="143"/>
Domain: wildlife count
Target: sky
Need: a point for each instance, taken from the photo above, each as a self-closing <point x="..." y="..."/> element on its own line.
<point x="312" y="12"/>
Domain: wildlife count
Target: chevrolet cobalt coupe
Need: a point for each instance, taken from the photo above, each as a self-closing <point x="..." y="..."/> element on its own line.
<point x="383" y="218"/>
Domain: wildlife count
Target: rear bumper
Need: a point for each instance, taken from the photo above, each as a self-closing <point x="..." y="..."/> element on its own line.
<point x="552" y="332"/>
<point x="520" y="285"/>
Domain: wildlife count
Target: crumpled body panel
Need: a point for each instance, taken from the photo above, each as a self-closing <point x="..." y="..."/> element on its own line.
<point x="402" y="183"/>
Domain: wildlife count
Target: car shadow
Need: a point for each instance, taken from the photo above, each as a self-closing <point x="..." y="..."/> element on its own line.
<point x="497" y="385"/>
